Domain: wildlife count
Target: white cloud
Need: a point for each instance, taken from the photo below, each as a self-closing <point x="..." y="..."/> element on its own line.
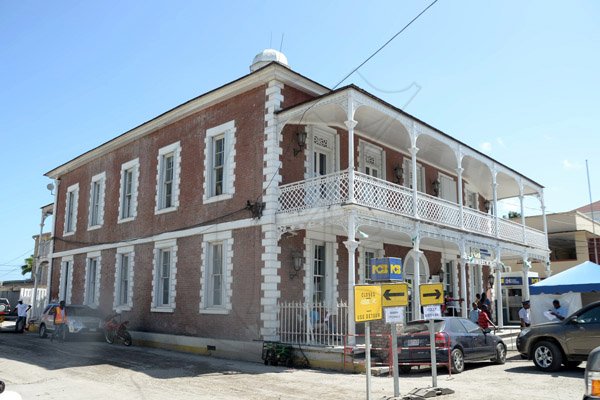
<point x="571" y="166"/>
<point x="486" y="147"/>
<point x="500" y="141"/>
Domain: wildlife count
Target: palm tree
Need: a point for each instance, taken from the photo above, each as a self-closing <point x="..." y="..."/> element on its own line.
<point x="28" y="267"/>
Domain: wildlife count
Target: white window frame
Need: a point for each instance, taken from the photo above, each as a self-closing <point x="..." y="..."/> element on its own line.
<point x="227" y="132"/>
<point x="92" y="300"/>
<point x="331" y="279"/>
<point x="66" y="268"/>
<point x="408" y="175"/>
<point x="175" y="150"/>
<point x="325" y="140"/>
<point x="99" y="180"/>
<point x="371" y="247"/>
<point x="159" y="248"/>
<point x="134" y="167"/>
<point x="120" y="304"/>
<point x="368" y="150"/>
<point x="71" y="210"/>
<point x="444" y="189"/>
<point x="226" y="239"/>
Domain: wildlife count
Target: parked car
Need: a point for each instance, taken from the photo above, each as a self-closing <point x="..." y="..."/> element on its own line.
<point x="4" y="306"/>
<point x="80" y="320"/>
<point x="465" y="341"/>
<point x="592" y="376"/>
<point x="567" y="342"/>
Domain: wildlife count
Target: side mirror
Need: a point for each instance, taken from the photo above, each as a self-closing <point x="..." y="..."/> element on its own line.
<point x="573" y="321"/>
<point x="486" y="331"/>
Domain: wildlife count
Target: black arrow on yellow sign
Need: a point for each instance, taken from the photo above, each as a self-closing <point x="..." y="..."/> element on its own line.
<point x="388" y="294"/>
<point x="437" y="294"/>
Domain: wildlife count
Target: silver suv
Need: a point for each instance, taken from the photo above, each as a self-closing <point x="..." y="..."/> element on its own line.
<point x="80" y="319"/>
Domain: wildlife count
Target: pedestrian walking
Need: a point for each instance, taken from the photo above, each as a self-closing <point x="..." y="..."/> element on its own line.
<point x="21" y="316"/>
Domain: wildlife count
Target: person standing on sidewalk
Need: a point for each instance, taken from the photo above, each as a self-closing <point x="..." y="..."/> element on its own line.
<point x="60" y="321"/>
<point x="525" y="314"/>
<point x="21" y="316"/>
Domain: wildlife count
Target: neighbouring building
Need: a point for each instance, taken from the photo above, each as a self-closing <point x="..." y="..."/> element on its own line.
<point x="236" y="216"/>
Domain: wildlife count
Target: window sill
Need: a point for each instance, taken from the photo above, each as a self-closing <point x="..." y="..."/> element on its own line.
<point x="65" y="234"/>
<point x="214" y="311"/>
<point x="93" y="228"/>
<point x="122" y="308"/>
<point x="162" y="309"/>
<point x="165" y="210"/>
<point x="123" y="220"/>
<point x="215" y="199"/>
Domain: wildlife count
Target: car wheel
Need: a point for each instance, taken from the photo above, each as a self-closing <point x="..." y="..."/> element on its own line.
<point x="572" y="364"/>
<point x="43" y="332"/>
<point x="547" y="356"/>
<point x="405" y="369"/>
<point x="500" y="354"/>
<point x="457" y="361"/>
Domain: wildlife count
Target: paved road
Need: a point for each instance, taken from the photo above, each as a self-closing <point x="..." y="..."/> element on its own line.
<point x="36" y="368"/>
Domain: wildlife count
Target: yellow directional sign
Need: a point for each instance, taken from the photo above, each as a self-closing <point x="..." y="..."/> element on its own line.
<point x="367" y="303"/>
<point x="431" y="294"/>
<point x="394" y="294"/>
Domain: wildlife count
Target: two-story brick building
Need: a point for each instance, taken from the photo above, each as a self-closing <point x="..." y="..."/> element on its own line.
<point x="232" y="216"/>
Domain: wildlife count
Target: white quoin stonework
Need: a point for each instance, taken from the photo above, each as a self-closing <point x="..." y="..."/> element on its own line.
<point x="270" y="241"/>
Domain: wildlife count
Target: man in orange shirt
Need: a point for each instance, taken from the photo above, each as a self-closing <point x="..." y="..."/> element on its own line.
<point x="60" y="322"/>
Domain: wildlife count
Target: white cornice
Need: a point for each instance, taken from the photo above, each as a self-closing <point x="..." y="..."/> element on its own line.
<point x="260" y="77"/>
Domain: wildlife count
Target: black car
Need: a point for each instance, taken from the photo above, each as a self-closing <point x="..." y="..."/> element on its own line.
<point x="567" y="342"/>
<point x="456" y="337"/>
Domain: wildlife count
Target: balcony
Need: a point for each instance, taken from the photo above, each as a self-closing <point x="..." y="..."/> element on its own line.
<point x="374" y="193"/>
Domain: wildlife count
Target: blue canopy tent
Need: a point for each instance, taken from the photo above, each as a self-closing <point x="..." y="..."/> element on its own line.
<point x="574" y="287"/>
<point x="582" y="278"/>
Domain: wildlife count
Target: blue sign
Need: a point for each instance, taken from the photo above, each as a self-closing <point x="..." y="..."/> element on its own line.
<point x="511" y="281"/>
<point x="386" y="269"/>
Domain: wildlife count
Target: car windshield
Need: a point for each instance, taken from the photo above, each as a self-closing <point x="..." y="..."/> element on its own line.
<point x="422" y="327"/>
<point x="82" y="312"/>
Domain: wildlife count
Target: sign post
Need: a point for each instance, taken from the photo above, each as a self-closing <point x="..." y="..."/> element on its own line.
<point x="432" y="296"/>
<point x="395" y="297"/>
<point x="367" y="307"/>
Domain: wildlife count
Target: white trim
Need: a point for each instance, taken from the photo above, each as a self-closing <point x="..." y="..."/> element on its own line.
<point x="174" y="148"/>
<point x="61" y="280"/>
<point x="95" y="302"/>
<point x="134" y="165"/>
<point x="444" y="181"/>
<point x="101" y="179"/>
<point x="226" y="239"/>
<point x="331" y="267"/>
<point x="75" y="190"/>
<point x="364" y="149"/>
<point x="328" y="139"/>
<point x="228" y="131"/>
<point x="364" y="246"/>
<point x="130" y="252"/>
<point x="170" y="245"/>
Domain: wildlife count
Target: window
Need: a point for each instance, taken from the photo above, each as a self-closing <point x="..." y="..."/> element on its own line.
<point x="216" y="273"/>
<point x="219" y="164"/>
<point x="123" y="296"/>
<point x="128" y="190"/>
<point x="319" y="274"/>
<point x="447" y="188"/>
<point x="165" y="261"/>
<point x="71" y="209"/>
<point x="471" y="199"/>
<point x="66" y="279"/>
<point x="96" y="212"/>
<point x="372" y="159"/>
<point x="368" y="256"/>
<point x="92" y="280"/>
<point x="408" y="175"/>
<point x="167" y="191"/>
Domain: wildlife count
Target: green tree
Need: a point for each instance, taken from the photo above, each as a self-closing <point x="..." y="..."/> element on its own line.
<point x="28" y="267"/>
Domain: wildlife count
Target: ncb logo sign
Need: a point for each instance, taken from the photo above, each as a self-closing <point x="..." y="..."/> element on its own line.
<point x="386" y="269"/>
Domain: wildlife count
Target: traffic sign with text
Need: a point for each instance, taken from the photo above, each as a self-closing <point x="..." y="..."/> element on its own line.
<point x="394" y="294"/>
<point x="367" y="303"/>
<point x="431" y="293"/>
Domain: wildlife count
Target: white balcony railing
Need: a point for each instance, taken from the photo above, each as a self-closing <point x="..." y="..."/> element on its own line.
<point x="332" y="189"/>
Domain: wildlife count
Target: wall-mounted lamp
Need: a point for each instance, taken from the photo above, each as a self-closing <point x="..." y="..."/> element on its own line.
<point x="435" y="185"/>
<point x="491" y="281"/>
<point x="297" y="263"/>
<point x="441" y="275"/>
<point x="301" y="140"/>
<point x="399" y="174"/>
<point x="486" y="205"/>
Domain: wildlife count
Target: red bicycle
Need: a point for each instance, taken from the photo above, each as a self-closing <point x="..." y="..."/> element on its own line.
<point x="115" y="329"/>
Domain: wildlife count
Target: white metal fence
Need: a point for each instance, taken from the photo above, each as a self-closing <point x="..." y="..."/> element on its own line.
<point x="312" y="324"/>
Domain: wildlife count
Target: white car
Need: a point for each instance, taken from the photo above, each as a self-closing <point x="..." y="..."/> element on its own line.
<point x="80" y="320"/>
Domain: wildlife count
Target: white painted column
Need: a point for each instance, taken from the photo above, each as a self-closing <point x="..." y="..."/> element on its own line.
<point x="51" y="255"/>
<point x="417" y="277"/>
<point x="543" y="206"/>
<point x="495" y="195"/>
<point x="351" y="245"/>
<point x="350" y="124"/>
<point x="526" y="268"/>
<point x="413" y="154"/>
<point x="498" y="289"/>
<point x="459" y="172"/>
<point x="463" y="288"/>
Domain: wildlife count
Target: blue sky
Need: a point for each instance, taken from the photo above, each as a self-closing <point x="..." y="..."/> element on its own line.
<point x="517" y="80"/>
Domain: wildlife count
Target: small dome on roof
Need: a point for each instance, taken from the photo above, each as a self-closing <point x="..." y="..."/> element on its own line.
<point x="266" y="56"/>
